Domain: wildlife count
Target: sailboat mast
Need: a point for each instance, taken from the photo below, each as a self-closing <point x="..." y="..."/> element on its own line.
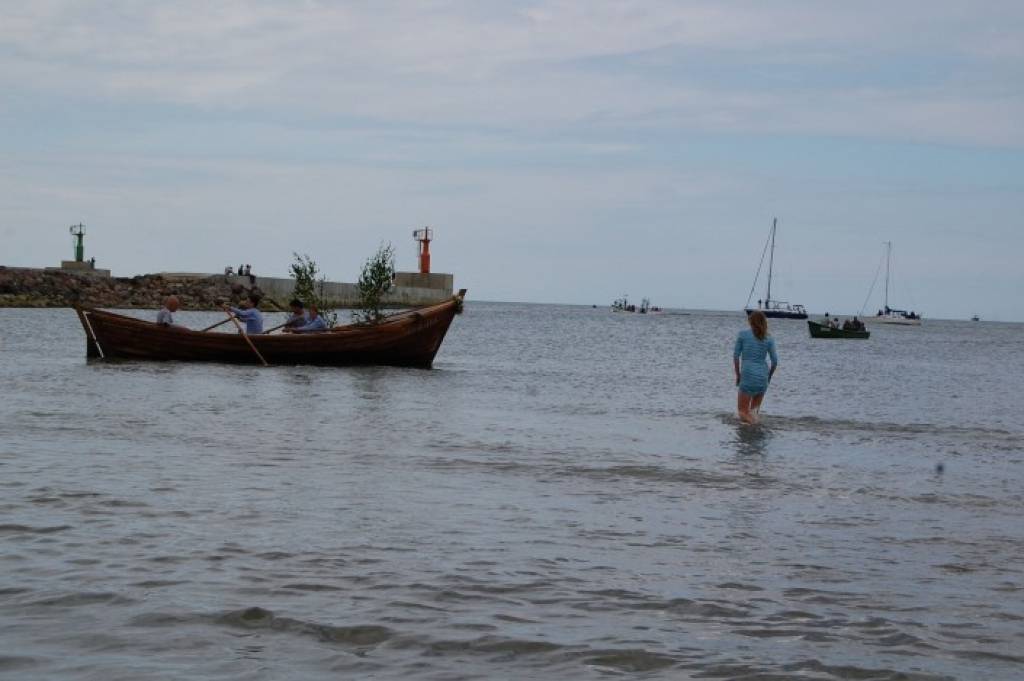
<point x="888" y="259"/>
<point x="771" y="259"/>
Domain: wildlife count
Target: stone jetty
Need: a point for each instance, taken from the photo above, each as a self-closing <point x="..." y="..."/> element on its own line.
<point x="25" y="287"/>
<point x="65" y="287"/>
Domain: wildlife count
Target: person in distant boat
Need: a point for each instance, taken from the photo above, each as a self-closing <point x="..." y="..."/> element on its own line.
<point x="316" y="323"/>
<point x="299" y="316"/>
<point x="250" y="314"/>
<point x="858" y="325"/>
<point x="165" y="317"/>
<point x="753" y="374"/>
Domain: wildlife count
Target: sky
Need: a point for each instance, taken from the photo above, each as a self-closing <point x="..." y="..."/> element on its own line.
<point x="563" y="151"/>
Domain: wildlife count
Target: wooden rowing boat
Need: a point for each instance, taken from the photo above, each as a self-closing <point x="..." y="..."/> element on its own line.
<point x="409" y="338"/>
<point x="823" y="331"/>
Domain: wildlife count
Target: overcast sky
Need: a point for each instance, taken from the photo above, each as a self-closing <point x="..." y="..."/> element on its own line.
<point x="563" y="151"/>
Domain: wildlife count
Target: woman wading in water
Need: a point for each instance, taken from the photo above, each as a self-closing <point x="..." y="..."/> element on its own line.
<point x="752" y="372"/>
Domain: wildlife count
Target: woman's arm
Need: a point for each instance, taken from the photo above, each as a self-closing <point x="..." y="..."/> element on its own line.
<point x="737" y="348"/>
<point x="774" y="357"/>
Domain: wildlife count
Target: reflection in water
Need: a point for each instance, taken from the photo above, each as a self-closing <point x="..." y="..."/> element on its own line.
<point x="751" y="440"/>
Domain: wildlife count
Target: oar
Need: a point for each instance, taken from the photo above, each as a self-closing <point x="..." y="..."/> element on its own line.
<point x="245" y="336"/>
<point x="214" y="326"/>
<point x="279" y="326"/>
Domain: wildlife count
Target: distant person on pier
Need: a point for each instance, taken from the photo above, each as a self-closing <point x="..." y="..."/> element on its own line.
<point x="316" y="323"/>
<point x="299" y="316"/>
<point x="753" y="374"/>
<point x="250" y="314"/>
<point x="165" y="317"/>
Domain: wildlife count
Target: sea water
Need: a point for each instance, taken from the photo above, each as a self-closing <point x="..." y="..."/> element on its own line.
<point x="567" y="494"/>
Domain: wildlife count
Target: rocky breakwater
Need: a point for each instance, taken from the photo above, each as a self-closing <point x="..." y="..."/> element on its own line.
<point x="23" y="287"/>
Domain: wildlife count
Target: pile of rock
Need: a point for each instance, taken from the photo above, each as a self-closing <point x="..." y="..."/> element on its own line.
<point x="23" y="287"/>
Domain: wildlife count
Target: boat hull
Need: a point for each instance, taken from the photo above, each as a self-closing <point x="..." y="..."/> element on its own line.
<point x="896" y="321"/>
<point x="821" y="331"/>
<point x="409" y="338"/>
<point x="779" y="314"/>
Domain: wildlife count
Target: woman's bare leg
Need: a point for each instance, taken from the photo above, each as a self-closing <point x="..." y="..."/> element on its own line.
<point x="743" y="407"/>
<point x="755" y="406"/>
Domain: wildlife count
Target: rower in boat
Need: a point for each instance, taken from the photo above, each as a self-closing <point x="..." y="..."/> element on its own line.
<point x="165" y="317"/>
<point x="250" y="314"/>
<point x="316" y="323"/>
<point x="299" y="316"/>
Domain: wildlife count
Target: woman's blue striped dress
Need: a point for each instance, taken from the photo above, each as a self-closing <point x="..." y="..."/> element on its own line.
<point x="753" y="368"/>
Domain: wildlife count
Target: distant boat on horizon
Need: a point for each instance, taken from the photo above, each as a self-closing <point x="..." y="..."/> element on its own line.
<point x="776" y="309"/>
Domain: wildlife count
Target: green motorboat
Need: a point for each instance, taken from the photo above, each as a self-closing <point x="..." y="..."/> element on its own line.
<point x="824" y="331"/>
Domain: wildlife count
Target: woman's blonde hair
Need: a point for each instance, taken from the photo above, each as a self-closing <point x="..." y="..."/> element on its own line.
<point x="758" y="324"/>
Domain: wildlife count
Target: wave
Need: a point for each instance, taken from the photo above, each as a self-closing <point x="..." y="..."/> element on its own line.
<point x="817" y="424"/>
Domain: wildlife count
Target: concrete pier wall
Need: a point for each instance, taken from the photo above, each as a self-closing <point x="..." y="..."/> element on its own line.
<point x="438" y="287"/>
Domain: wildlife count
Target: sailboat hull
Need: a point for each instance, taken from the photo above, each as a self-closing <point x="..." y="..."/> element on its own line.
<point x="779" y="314"/>
<point x="894" y="320"/>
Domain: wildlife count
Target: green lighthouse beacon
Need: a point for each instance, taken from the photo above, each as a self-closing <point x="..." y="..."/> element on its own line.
<point x="78" y="235"/>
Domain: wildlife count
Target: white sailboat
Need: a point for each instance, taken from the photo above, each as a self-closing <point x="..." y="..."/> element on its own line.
<point x="890" y="315"/>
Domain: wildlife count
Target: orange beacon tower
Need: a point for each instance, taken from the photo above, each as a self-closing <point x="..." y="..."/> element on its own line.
<point x="424" y="236"/>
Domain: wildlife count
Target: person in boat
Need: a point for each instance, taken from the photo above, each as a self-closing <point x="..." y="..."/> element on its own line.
<point x="316" y="323"/>
<point x="250" y="314"/>
<point x="165" y="317"/>
<point x="298" y="317"/>
<point x="753" y="374"/>
<point x="847" y="325"/>
<point x="858" y="325"/>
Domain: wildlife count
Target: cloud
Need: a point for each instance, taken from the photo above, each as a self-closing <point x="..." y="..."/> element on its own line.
<point x="546" y="64"/>
<point x="593" y="146"/>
